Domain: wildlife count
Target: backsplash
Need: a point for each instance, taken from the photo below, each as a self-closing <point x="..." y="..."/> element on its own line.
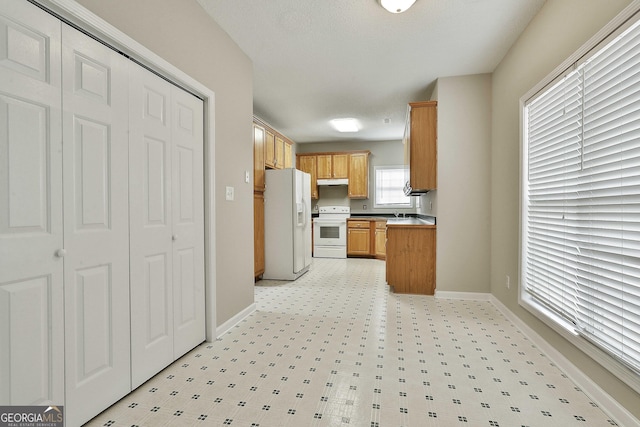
<point x="339" y="196"/>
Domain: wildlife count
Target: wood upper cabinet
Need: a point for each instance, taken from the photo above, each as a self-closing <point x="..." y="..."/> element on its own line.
<point x="358" y="237"/>
<point x="411" y="258"/>
<point x="278" y="162"/>
<point x="258" y="157"/>
<point x="307" y="163"/>
<point x="288" y="154"/>
<point x="359" y="175"/>
<point x="333" y="165"/>
<point x="421" y="146"/>
<point x="269" y="149"/>
<point x="353" y="165"/>
<point x="277" y="149"/>
<point x="340" y="165"/>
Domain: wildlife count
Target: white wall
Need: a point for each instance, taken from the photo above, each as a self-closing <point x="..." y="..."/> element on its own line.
<point x="559" y="29"/>
<point x="462" y="202"/>
<point x="182" y="33"/>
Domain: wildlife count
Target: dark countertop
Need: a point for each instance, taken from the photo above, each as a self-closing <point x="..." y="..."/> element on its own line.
<point x="411" y="219"/>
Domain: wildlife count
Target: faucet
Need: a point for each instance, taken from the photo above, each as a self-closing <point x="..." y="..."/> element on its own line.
<point x="396" y="214"/>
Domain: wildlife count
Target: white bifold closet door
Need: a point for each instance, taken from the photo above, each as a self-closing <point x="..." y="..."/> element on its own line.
<point x="96" y="225"/>
<point x="31" y="239"/>
<point x="166" y="223"/>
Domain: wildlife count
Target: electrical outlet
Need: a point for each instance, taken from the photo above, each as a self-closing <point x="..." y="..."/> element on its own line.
<point x="229" y="193"/>
<point x="508" y="282"/>
<point x="364" y="207"/>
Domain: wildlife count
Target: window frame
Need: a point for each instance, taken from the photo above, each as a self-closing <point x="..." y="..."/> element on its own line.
<point x="559" y="324"/>
<point x="378" y="205"/>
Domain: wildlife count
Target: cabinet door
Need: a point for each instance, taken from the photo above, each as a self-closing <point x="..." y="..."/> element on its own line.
<point x="380" y="240"/>
<point x="258" y="157"/>
<point x="411" y="259"/>
<point x="423" y="146"/>
<point x="96" y="225"/>
<point x="279" y="162"/>
<point x="359" y="175"/>
<point x="288" y="154"/>
<point x="31" y="275"/>
<point x="269" y="149"/>
<point x="258" y="234"/>
<point x="358" y="241"/>
<point x="324" y="166"/>
<point x="308" y="164"/>
<point x="340" y="164"/>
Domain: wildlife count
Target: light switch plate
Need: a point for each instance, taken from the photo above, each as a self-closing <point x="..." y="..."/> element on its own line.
<point x="246" y="176"/>
<point x="229" y="193"/>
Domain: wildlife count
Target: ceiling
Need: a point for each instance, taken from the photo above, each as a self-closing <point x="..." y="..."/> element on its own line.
<point x="316" y="60"/>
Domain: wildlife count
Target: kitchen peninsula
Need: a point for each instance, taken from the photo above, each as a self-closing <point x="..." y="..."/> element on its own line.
<point x="411" y="255"/>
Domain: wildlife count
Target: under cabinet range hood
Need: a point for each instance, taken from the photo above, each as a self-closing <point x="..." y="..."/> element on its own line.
<point x="333" y="181"/>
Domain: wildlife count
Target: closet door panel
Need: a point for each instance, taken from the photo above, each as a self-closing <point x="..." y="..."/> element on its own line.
<point x="96" y="231"/>
<point x="188" y="221"/>
<point x="31" y="275"/>
<point x="150" y="225"/>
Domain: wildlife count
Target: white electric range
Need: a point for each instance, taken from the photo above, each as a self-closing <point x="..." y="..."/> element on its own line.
<point x="330" y="232"/>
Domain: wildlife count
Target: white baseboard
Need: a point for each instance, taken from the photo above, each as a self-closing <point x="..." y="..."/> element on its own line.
<point x="608" y="404"/>
<point x="476" y="296"/>
<point x="226" y="326"/>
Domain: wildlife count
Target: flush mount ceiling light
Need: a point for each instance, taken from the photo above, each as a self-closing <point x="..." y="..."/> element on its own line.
<point x="345" y="125"/>
<point x="396" y="6"/>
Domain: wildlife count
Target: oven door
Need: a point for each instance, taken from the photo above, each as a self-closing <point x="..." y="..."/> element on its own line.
<point x="327" y="232"/>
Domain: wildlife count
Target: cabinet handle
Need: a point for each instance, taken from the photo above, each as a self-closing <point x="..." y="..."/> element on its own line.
<point x="60" y="253"/>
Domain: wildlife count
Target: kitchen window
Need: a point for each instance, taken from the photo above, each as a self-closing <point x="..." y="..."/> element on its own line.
<point x="580" y="259"/>
<point x="389" y="183"/>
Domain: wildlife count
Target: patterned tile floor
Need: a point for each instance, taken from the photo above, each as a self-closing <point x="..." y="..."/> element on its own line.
<point x="336" y="348"/>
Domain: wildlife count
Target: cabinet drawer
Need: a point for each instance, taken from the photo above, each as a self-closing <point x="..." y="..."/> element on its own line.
<point x="381" y="224"/>
<point x="357" y="224"/>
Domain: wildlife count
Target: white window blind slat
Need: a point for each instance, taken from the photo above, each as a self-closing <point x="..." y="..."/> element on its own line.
<point x="582" y="219"/>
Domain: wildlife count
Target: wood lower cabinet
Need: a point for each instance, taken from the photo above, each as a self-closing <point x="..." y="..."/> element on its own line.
<point x="258" y="234"/>
<point x="380" y="239"/>
<point x="411" y="258"/>
<point x="366" y="237"/>
<point x="358" y="237"/>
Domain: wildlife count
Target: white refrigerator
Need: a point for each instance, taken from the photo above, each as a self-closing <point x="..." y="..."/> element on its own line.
<point x="287" y="224"/>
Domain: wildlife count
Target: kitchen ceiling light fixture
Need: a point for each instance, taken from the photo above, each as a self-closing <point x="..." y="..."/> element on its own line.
<point x="345" y="125"/>
<point x="396" y="6"/>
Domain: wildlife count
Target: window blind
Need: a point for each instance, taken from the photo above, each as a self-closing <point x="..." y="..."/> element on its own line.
<point x="389" y="187"/>
<point x="582" y="213"/>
